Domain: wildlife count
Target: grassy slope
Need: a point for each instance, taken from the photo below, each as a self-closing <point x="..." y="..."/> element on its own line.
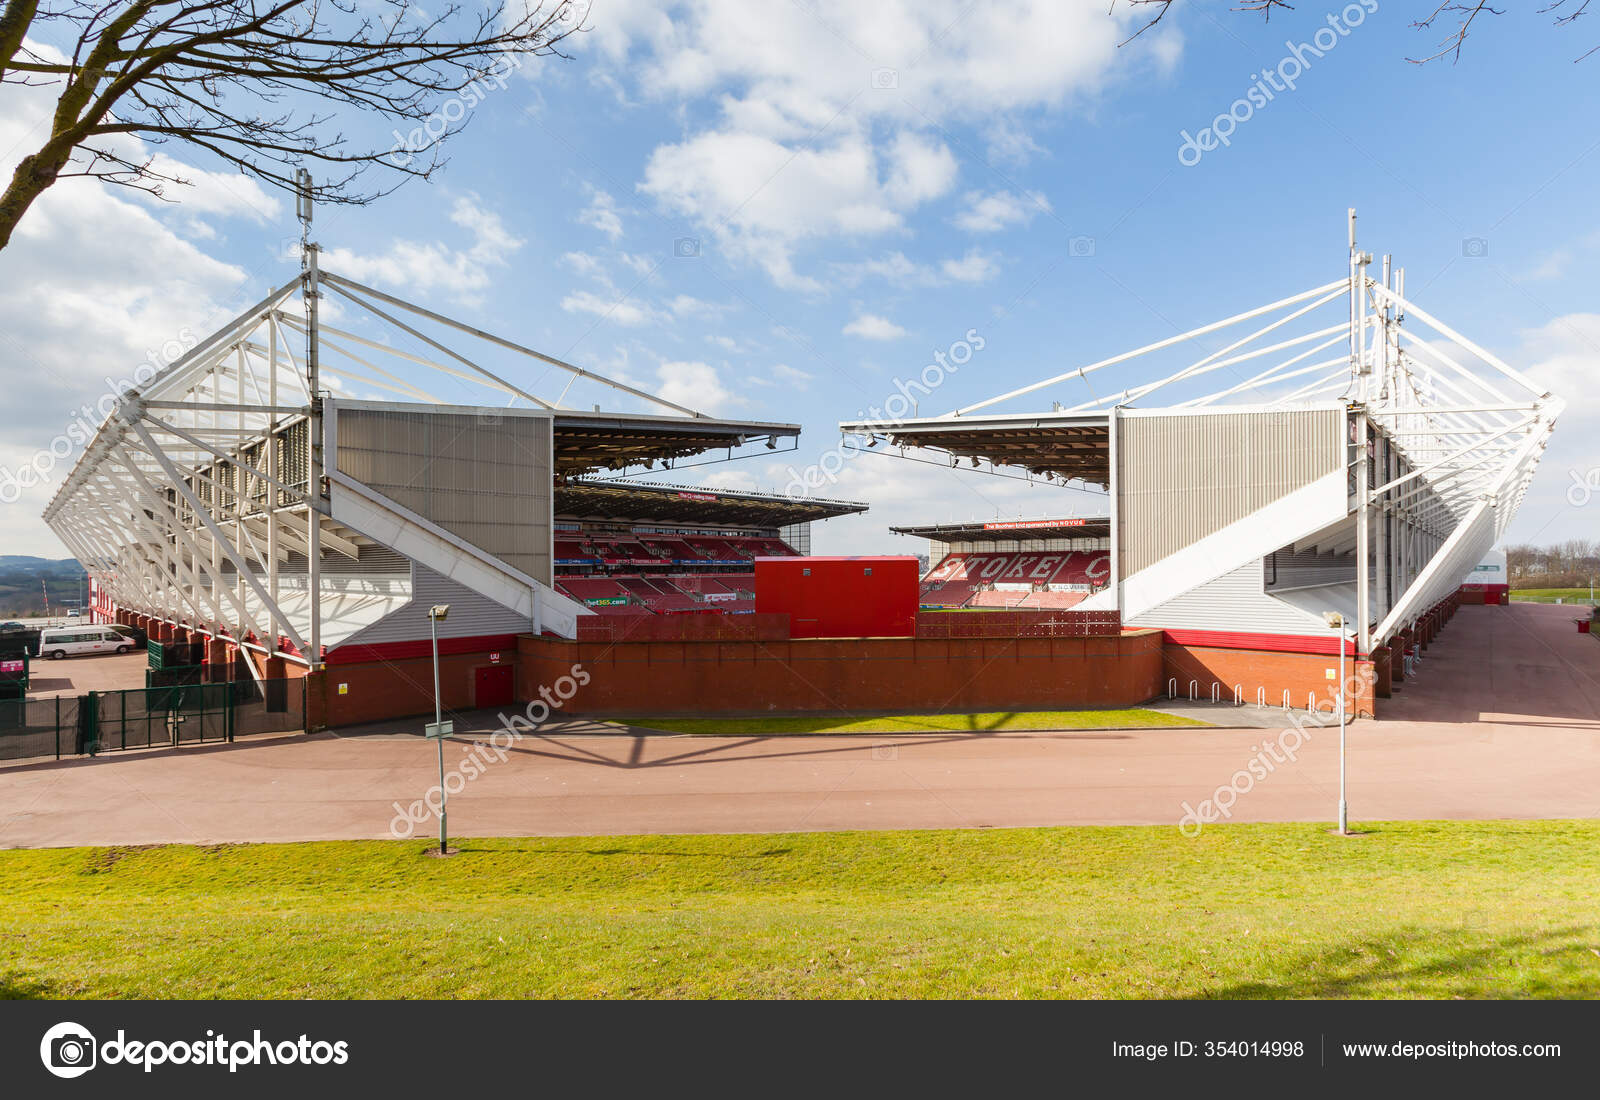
<point x="1419" y="909"/>
<point x="1128" y="718"/>
<point x="1547" y="595"/>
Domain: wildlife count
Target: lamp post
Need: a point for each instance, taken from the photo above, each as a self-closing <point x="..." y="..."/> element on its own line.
<point x="438" y="731"/>
<point x="1335" y="620"/>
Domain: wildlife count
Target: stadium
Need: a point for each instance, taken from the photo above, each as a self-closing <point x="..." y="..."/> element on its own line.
<point x="1317" y="503"/>
<point x="1334" y="497"/>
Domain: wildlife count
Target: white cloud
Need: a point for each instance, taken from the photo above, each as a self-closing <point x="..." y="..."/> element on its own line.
<point x="974" y="267"/>
<point x="870" y="326"/>
<point x="1009" y="143"/>
<point x="622" y="310"/>
<point x="895" y="269"/>
<point x="585" y="264"/>
<point x="919" y="169"/>
<point x="783" y="375"/>
<point x="810" y="140"/>
<point x="737" y="481"/>
<point x="434" y="265"/>
<point x="639" y="265"/>
<point x="695" y="385"/>
<point x="987" y="213"/>
<point x="1564" y="355"/>
<point x="97" y="281"/>
<point x="682" y="305"/>
<point x="762" y="198"/>
<point x="223" y="194"/>
<point x="601" y="214"/>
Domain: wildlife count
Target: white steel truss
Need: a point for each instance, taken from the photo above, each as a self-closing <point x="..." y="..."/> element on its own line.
<point x="203" y="500"/>
<point x="1454" y="433"/>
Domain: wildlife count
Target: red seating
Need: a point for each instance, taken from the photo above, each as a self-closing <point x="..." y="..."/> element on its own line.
<point x="1053" y="599"/>
<point x="590" y="588"/>
<point x="647" y="571"/>
<point x="949" y="594"/>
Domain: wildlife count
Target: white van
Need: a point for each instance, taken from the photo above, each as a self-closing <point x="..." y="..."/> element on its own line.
<point x="73" y="641"/>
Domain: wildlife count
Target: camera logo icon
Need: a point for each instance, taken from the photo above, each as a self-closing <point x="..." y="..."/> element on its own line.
<point x="68" y="1050"/>
<point x="1474" y="248"/>
<point x="885" y="80"/>
<point x="686" y="248"/>
<point x="886" y="751"/>
<point x="1079" y="247"/>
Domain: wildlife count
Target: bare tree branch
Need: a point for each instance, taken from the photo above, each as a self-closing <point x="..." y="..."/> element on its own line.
<point x="243" y="80"/>
<point x="1450" y="46"/>
<point x="1263" y="6"/>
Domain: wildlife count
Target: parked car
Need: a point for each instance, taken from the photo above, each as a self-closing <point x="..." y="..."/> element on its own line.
<point x="73" y="641"/>
<point x="134" y="634"/>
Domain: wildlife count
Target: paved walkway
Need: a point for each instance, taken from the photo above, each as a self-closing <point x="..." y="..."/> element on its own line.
<point x="1504" y="722"/>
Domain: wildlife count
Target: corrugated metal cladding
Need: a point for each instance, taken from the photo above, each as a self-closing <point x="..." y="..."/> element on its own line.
<point x="470" y="615"/>
<point x="485" y="479"/>
<point x="1183" y="476"/>
<point x="372" y="561"/>
<point x="1234" y="601"/>
<point x="1291" y="569"/>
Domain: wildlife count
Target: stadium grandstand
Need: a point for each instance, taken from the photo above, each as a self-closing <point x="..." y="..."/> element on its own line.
<point x="1360" y="458"/>
<point x="626" y="548"/>
<point x="295" y="494"/>
<point x="1040" y="563"/>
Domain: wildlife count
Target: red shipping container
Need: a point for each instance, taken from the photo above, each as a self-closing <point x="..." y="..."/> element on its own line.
<point x="870" y="597"/>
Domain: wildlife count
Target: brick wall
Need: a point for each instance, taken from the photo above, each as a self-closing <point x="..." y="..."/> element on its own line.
<point x="1298" y="673"/>
<point x="857" y="675"/>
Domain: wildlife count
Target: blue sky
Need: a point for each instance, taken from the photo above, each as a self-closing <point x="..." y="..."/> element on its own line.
<point x="866" y="186"/>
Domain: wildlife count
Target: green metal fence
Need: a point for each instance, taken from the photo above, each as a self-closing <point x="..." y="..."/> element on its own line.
<point x="149" y="717"/>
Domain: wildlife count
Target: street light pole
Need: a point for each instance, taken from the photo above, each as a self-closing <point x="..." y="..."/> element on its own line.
<point x="438" y="731"/>
<point x="1336" y="620"/>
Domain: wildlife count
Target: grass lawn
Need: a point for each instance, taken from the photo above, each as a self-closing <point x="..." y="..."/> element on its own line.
<point x="1475" y="909"/>
<point x="1550" y="595"/>
<point x="993" y="722"/>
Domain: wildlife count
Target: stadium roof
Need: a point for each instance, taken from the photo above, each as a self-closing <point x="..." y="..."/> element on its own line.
<point x="1069" y="445"/>
<point x="645" y="501"/>
<point x="1018" y="530"/>
<point x="590" y="442"/>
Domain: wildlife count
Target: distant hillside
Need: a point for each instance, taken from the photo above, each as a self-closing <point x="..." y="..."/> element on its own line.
<point x="22" y="582"/>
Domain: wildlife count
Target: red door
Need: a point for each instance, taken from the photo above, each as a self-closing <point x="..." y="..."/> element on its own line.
<point x="492" y="686"/>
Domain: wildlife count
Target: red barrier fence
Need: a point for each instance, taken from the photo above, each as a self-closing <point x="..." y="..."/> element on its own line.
<point x="752" y="627"/>
<point x="1018" y="623"/>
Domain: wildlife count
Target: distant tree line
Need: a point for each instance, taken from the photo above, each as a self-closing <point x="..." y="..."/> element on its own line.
<point x="1568" y="564"/>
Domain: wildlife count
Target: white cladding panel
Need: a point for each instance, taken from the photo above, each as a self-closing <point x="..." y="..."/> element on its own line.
<point x="1183" y="476"/>
<point x="470" y="615"/>
<point x="1233" y="602"/>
